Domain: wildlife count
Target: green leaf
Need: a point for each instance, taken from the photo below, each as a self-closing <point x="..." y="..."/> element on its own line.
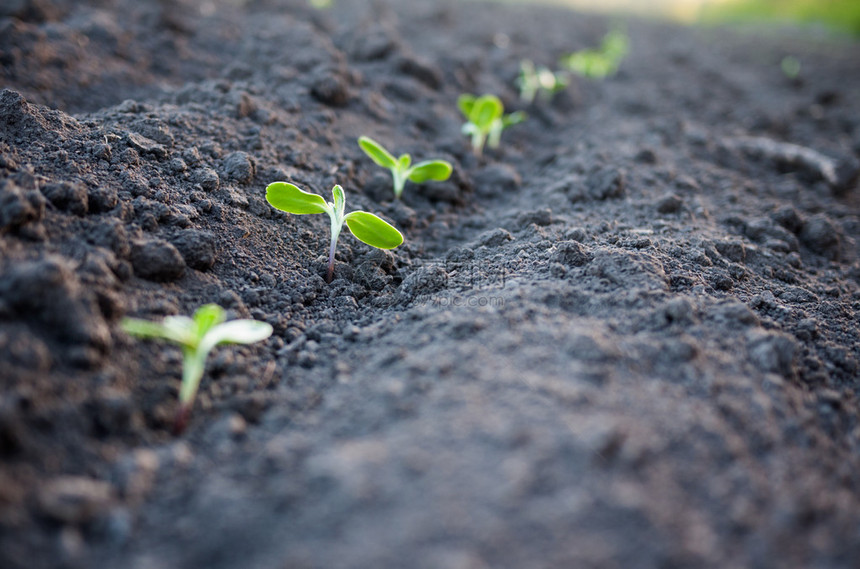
<point x="469" y="129"/>
<point x="615" y="45"/>
<point x="339" y="198"/>
<point x="143" y="328"/>
<point x="370" y="229"/>
<point x="178" y="329"/>
<point x="513" y="118"/>
<point x="466" y="103"/>
<point x="486" y="109"/>
<point x="403" y="162"/>
<point x="206" y="317"/>
<point x="236" y="332"/>
<point x="438" y="170"/>
<point x="289" y="198"/>
<point x="377" y="152"/>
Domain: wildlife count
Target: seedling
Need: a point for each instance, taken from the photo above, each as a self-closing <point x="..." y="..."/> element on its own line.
<point x="791" y="66"/>
<point x="539" y="80"/>
<point x="365" y="226"/>
<point x="197" y="336"/>
<point x="485" y="120"/>
<point x="401" y="169"/>
<point x="601" y="62"/>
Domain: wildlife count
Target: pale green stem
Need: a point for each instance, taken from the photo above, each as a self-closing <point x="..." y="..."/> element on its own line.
<point x="400" y="178"/>
<point x="336" y="226"/>
<point x="478" y="138"/>
<point x="495" y="134"/>
<point x="192" y="372"/>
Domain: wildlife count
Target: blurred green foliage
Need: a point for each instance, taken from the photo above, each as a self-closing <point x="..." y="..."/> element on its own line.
<point x="841" y="14"/>
<point x="603" y="61"/>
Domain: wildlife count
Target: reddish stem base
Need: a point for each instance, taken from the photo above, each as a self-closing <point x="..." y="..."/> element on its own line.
<point x="180" y="422"/>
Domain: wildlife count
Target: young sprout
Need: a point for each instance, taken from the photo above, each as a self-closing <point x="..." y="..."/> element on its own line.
<point x="197" y="336"/>
<point x="539" y="80"/>
<point x="790" y="66"/>
<point x="485" y="120"/>
<point x="603" y="61"/>
<point x="401" y="169"/>
<point x="365" y="226"/>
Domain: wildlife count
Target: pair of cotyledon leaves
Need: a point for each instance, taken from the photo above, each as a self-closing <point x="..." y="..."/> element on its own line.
<point x="534" y="80"/>
<point x="486" y="119"/>
<point x="365" y="226"/>
<point x="197" y="336"/>
<point x="401" y="167"/>
<point x="603" y="61"/>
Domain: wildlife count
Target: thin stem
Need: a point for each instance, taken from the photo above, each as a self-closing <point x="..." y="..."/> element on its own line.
<point x="399" y="182"/>
<point x="330" y="274"/>
<point x="193" y="365"/>
<point x="495" y="133"/>
<point x="335" y="233"/>
<point x="180" y="421"/>
<point x="478" y="142"/>
<point x="192" y="373"/>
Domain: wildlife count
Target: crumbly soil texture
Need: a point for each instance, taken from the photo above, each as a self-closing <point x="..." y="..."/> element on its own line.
<point x="626" y="338"/>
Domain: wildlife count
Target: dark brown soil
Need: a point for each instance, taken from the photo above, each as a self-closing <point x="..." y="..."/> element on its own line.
<point x="628" y="338"/>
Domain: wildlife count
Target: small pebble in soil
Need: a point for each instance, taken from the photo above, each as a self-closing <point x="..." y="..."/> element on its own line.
<point x="731" y="250"/>
<point x="102" y="198"/>
<point x="330" y="87"/>
<point x="198" y="248"/>
<point x="239" y="167"/>
<point x="146" y="145"/>
<point x="603" y="184"/>
<point x="670" y="203"/>
<point x="772" y="351"/>
<point x="789" y="218"/>
<point x="68" y="196"/>
<point x="720" y="281"/>
<point x="540" y="217"/>
<point x="207" y="178"/>
<point x="821" y="236"/>
<point x="422" y="69"/>
<point x="571" y="254"/>
<point x="102" y="151"/>
<point x="19" y="207"/>
<point x="494" y="237"/>
<point x="156" y="260"/>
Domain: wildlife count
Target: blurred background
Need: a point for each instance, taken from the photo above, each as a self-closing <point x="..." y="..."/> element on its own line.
<point x="842" y="15"/>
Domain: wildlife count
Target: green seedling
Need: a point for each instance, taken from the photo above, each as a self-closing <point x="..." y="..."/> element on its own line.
<point x="365" y="226"/>
<point x="197" y="336"/>
<point x="485" y="120"/>
<point x="601" y="62"/>
<point x="791" y="66"/>
<point x="402" y="169"/>
<point x="539" y="80"/>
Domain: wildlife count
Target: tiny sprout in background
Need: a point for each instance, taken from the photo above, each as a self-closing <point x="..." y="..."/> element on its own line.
<point x="401" y="168"/>
<point x="485" y="120"/>
<point x="197" y="336"/>
<point x="366" y="227"/>
<point x="539" y="80"/>
<point x="791" y="66"/>
<point x="601" y="62"/>
<point x="321" y="4"/>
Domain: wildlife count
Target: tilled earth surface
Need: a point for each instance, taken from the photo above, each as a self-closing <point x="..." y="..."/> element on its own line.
<point x="627" y="338"/>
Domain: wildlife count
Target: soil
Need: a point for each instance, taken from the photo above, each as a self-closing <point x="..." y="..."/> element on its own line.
<point x="627" y="338"/>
